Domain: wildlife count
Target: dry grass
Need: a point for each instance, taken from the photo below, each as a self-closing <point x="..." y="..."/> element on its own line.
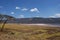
<point x="29" y="32"/>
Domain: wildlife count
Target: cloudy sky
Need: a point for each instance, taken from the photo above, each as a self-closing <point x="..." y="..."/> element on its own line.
<point x="30" y="8"/>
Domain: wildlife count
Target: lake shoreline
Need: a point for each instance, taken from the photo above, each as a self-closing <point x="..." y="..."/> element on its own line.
<point x="52" y="25"/>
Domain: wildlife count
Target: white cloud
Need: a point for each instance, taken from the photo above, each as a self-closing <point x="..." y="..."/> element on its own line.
<point x="17" y="7"/>
<point x="55" y="16"/>
<point x="24" y="9"/>
<point x="21" y="16"/>
<point x="12" y="13"/>
<point x="34" y="10"/>
<point x="52" y="16"/>
<point x="37" y="16"/>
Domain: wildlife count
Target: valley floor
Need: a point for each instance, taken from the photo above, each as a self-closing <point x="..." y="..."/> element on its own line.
<point x="29" y="32"/>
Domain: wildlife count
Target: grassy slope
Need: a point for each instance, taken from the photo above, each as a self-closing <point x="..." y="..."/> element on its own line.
<point x="25" y="32"/>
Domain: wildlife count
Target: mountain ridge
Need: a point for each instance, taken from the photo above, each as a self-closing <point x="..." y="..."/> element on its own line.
<point x="35" y="20"/>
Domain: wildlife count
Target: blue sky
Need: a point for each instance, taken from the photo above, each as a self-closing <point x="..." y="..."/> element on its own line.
<point x="30" y="8"/>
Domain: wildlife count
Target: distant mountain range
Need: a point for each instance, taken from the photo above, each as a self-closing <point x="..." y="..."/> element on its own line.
<point x="35" y="20"/>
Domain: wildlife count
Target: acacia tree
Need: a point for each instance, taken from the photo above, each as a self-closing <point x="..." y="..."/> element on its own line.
<point x="1" y="17"/>
<point x="5" y="18"/>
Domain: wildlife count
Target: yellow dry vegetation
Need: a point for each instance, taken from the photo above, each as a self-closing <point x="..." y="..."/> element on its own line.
<point x="29" y="32"/>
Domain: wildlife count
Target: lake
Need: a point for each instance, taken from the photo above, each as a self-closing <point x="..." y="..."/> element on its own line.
<point x="52" y="25"/>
